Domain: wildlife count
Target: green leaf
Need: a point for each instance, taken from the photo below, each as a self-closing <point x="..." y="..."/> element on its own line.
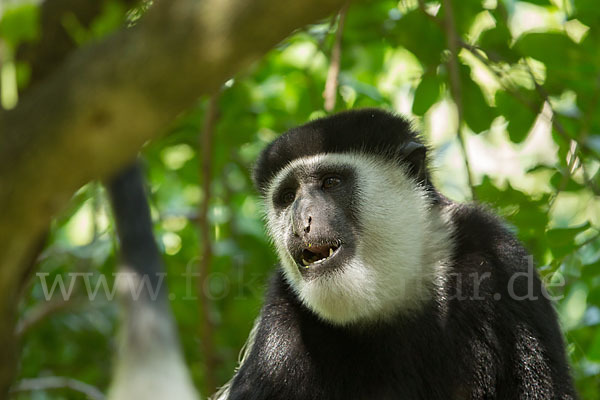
<point x="111" y="18"/>
<point x="496" y="43"/>
<point x="537" y="2"/>
<point x="593" y="142"/>
<point x="529" y="216"/>
<point x="476" y="111"/>
<point x="364" y="89"/>
<point x="594" y="350"/>
<point x="568" y="65"/>
<point x="520" y="118"/>
<point x="589" y="271"/>
<point x="560" y="182"/>
<point x="587" y="11"/>
<point x="540" y="168"/>
<point x="19" y="24"/>
<point x="427" y="93"/>
<point x="572" y="308"/>
<point x="488" y="192"/>
<point x="464" y="14"/>
<point x="365" y="21"/>
<point x="422" y="37"/>
<point x="565" y="236"/>
<point x="551" y="48"/>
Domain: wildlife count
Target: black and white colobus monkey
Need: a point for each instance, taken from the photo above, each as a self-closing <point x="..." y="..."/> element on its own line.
<point x="386" y="289"/>
<point x="149" y="363"/>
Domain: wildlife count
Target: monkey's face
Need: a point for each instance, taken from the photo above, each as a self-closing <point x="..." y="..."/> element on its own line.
<point x="349" y="230"/>
<point x="314" y="208"/>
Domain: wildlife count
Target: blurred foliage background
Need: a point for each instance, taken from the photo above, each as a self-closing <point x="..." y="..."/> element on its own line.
<point x="514" y="122"/>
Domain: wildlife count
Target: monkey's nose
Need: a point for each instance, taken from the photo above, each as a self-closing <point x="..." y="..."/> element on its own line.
<point x="307" y="225"/>
<point x="302" y="218"/>
<point x="301" y="226"/>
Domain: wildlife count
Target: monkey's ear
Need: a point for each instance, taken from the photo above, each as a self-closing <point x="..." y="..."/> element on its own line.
<point x="414" y="154"/>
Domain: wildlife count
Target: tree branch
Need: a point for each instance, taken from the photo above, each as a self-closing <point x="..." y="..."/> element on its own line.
<point x="57" y="382"/>
<point x="43" y="310"/>
<point x="91" y="116"/>
<point x="331" y="84"/>
<point x="455" y="84"/>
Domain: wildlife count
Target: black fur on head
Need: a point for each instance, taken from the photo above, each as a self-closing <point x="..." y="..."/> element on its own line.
<point x="368" y="130"/>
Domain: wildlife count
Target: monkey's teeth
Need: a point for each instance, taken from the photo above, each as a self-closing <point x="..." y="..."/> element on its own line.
<point x="316" y="257"/>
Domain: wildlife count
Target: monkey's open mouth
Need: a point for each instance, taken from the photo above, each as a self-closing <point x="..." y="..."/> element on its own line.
<point x="317" y="254"/>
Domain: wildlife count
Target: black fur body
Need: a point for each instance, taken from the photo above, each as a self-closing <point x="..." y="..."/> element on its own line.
<point x="486" y="333"/>
<point x="465" y="349"/>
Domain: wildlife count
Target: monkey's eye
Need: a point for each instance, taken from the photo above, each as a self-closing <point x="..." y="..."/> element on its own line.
<point x="331" y="181"/>
<point x="288" y="197"/>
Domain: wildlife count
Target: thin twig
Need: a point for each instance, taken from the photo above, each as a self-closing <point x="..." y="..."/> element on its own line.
<point x="578" y="142"/>
<point x="572" y="166"/>
<point x="321" y="42"/>
<point x="544" y="95"/>
<point x="57" y="382"/>
<point x="486" y="61"/>
<point x="573" y="158"/>
<point x="45" y="309"/>
<point x="455" y="85"/>
<point x="500" y="76"/>
<point x="578" y="247"/>
<point x="207" y="329"/>
<point x="331" y="84"/>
